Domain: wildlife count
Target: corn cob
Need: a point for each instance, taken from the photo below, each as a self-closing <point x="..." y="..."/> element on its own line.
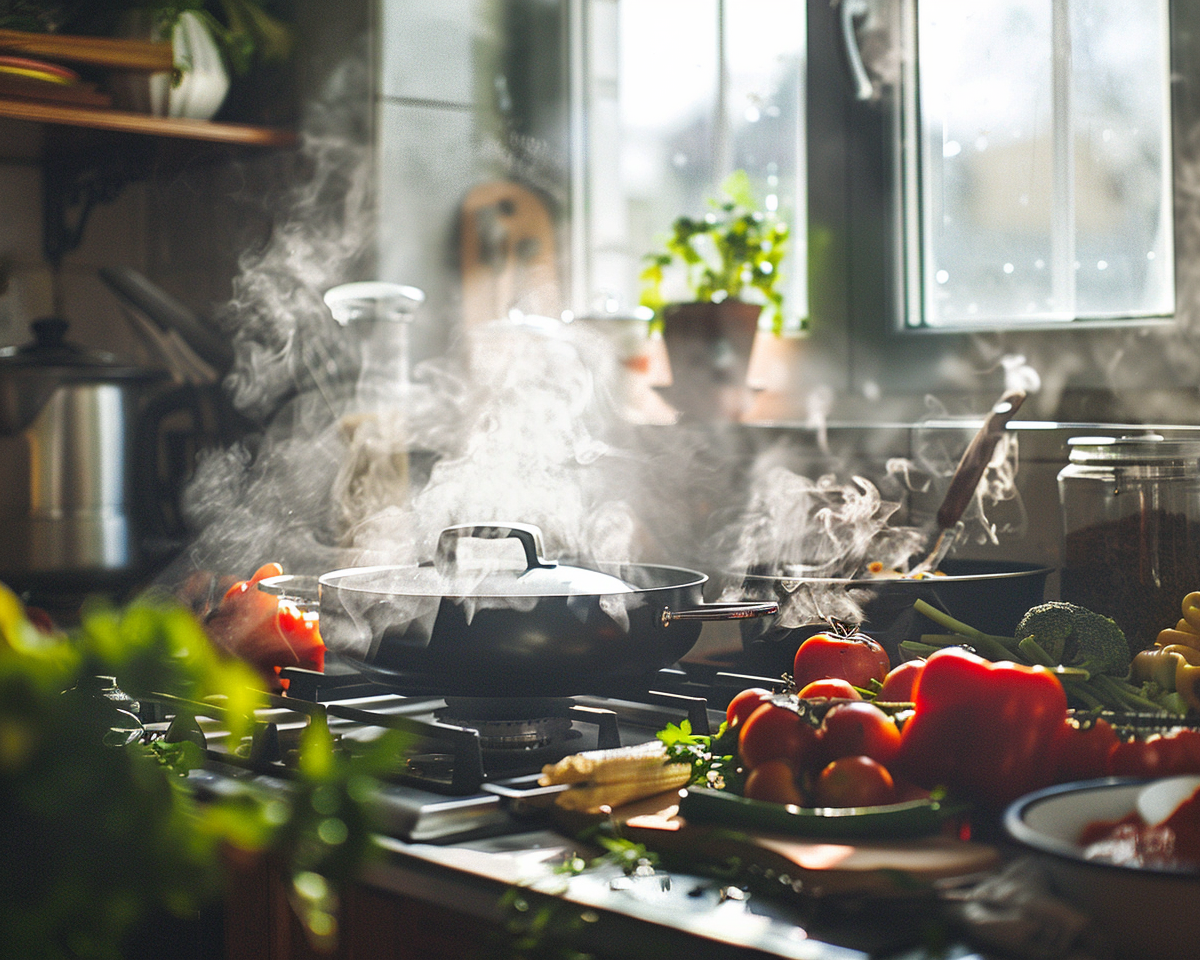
<point x="593" y="797"/>
<point x="606" y="766"/>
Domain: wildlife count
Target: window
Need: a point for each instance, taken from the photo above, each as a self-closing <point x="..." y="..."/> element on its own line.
<point x="1036" y="162"/>
<point x="669" y="97"/>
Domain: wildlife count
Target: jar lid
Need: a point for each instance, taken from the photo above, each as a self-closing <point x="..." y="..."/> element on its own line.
<point x="1144" y="448"/>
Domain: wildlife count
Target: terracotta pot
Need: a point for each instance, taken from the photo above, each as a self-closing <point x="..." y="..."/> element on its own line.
<point x="708" y="347"/>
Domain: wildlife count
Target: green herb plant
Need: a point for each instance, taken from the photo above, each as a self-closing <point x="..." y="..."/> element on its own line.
<point x="733" y="252"/>
<point x="99" y="829"/>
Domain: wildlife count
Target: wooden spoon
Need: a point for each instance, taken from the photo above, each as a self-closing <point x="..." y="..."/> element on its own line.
<point x="966" y="476"/>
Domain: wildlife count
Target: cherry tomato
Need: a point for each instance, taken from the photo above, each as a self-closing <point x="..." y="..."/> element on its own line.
<point x="1138" y="758"/>
<point x="855" y="782"/>
<point x="855" y="658"/>
<point x="831" y="688"/>
<point x="1185" y="750"/>
<point x="1081" y="752"/>
<point x="774" y="782"/>
<point x="859" y="729"/>
<point x="744" y="704"/>
<point x="773" y="732"/>
<point x="899" y="682"/>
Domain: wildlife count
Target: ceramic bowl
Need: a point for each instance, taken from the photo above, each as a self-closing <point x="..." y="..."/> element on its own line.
<point x="1142" y="912"/>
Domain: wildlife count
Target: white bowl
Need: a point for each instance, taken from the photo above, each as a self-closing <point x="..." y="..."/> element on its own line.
<point x="1142" y="912"/>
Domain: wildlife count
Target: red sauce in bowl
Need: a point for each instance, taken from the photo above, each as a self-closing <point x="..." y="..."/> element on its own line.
<point x="1132" y="842"/>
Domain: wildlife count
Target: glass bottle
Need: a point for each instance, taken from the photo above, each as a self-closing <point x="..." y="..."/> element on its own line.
<point x="1131" y="527"/>
<point x="374" y="476"/>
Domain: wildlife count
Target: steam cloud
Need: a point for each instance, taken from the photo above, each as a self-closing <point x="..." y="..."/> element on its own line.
<point x="520" y="421"/>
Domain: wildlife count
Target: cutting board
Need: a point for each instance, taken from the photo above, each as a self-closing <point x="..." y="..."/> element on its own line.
<point x="507" y="253"/>
<point x="879" y="868"/>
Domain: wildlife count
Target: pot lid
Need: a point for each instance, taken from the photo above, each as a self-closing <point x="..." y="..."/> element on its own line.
<point x="51" y="353"/>
<point x="467" y="582"/>
<point x="495" y="576"/>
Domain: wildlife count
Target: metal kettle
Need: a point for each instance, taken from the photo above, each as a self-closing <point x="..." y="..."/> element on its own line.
<point x="78" y="411"/>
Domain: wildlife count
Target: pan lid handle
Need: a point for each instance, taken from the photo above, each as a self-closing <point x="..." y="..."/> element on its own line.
<point x="529" y="535"/>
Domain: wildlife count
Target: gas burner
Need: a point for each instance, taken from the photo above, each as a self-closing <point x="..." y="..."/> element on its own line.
<point x="524" y="725"/>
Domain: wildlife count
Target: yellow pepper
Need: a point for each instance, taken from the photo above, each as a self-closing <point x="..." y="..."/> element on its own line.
<point x="1191" y="609"/>
<point x="1173" y="667"/>
<point x="1174" y="635"/>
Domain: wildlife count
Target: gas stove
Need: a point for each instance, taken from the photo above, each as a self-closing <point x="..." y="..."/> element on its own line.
<point x="473" y="763"/>
<point x="465" y="822"/>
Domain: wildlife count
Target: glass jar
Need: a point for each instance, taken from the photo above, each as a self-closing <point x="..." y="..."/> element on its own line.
<point x="1131" y="527"/>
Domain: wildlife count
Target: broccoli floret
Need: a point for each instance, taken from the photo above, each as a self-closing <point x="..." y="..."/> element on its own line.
<point x="1077" y="637"/>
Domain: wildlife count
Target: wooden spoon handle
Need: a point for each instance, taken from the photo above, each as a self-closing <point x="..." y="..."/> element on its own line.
<point x="975" y="459"/>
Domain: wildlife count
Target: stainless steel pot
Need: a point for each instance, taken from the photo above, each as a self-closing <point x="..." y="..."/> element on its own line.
<point x="540" y="629"/>
<point x="78" y="411"/>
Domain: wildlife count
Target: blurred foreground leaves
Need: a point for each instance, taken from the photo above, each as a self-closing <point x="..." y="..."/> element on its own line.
<point x="98" y="834"/>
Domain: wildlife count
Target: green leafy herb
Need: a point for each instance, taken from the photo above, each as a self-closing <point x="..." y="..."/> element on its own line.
<point x="99" y="831"/>
<point x="713" y="758"/>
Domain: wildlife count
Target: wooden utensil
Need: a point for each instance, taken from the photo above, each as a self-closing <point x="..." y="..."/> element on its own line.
<point x="967" y="475"/>
<point x="507" y="253"/>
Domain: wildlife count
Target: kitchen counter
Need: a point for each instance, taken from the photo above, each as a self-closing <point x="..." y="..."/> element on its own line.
<point x="478" y="898"/>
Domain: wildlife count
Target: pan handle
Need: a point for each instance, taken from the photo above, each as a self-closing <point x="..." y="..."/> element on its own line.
<point x="722" y="611"/>
<point x="530" y="536"/>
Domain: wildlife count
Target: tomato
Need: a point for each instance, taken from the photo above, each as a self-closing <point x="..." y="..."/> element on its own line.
<point x="856" y="659"/>
<point x="1184" y="756"/>
<point x="774" y="782"/>
<point x="1082" y="751"/>
<point x="1138" y="758"/>
<point x="855" y="782"/>
<point x="831" y="688"/>
<point x="859" y="729"/>
<point x="899" y="682"/>
<point x="774" y="732"/>
<point x="744" y="704"/>
<point x="1159" y="755"/>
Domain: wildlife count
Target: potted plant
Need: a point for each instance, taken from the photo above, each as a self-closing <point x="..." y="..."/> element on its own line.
<point x="728" y="262"/>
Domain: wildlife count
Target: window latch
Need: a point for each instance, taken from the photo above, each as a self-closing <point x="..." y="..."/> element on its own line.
<point x="850" y="11"/>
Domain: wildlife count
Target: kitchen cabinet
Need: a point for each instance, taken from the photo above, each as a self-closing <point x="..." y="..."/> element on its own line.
<point x="374" y="925"/>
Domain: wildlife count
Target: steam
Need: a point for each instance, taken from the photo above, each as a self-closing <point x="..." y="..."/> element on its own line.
<point x="520" y="420"/>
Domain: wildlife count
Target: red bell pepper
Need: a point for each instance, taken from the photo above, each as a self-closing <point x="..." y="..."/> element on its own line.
<point x="984" y="731"/>
<point x="265" y="631"/>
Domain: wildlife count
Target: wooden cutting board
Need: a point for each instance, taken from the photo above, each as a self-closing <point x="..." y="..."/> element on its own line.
<point x="900" y="868"/>
<point x="507" y="253"/>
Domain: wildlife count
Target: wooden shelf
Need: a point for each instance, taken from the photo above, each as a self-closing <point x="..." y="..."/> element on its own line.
<point x="124" y="122"/>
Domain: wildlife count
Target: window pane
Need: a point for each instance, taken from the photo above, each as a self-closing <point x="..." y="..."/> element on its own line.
<point x="1044" y="181"/>
<point x="1121" y="160"/>
<point x="764" y="43"/>
<point x="679" y="93"/>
